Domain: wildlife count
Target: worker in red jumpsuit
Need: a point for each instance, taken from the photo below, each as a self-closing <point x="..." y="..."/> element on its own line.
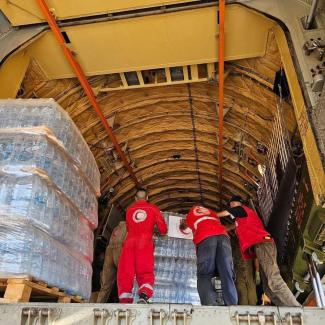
<point x="214" y="256"/>
<point x="137" y="257"/>
<point x="255" y="241"/>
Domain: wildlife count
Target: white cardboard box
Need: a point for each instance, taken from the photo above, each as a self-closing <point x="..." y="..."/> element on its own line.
<point x="175" y="231"/>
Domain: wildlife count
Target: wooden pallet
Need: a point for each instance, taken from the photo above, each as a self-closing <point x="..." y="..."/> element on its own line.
<point x="28" y="289"/>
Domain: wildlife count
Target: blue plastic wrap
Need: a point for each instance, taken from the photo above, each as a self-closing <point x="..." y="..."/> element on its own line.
<point x="22" y="113"/>
<point x="35" y="200"/>
<point x="22" y="149"/>
<point x="27" y="251"/>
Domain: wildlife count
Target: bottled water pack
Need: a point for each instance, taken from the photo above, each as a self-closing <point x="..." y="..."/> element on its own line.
<point x="29" y="113"/>
<point x="21" y="150"/>
<point x="175" y="271"/>
<point x="28" y="251"/>
<point x="48" y="206"/>
<point x="35" y="200"/>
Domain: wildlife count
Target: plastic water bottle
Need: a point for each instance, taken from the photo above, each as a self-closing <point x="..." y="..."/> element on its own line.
<point x="175" y="247"/>
<point x="157" y="247"/>
<point x="163" y="245"/>
<point x="169" y="247"/>
<point x="165" y="269"/>
<point x="182" y="251"/>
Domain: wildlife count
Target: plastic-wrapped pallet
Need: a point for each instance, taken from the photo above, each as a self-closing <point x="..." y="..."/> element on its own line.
<point x="22" y="149"/>
<point x="24" y="113"/>
<point x="48" y="206"/>
<point x="175" y="271"/>
<point x="34" y="199"/>
<point x="27" y="251"/>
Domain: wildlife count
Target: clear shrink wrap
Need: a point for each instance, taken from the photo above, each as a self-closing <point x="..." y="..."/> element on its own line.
<point x="176" y="271"/>
<point x="22" y="149"/>
<point x="28" y="251"/>
<point x="34" y="199"/>
<point x="22" y="113"/>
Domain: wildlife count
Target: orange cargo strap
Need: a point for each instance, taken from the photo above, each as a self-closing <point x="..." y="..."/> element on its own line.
<point x="86" y="86"/>
<point x="221" y="64"/>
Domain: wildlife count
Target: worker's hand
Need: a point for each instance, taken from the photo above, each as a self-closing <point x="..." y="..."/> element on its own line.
<point x="182" y="225"/>
<point x="230" y="227"/>
<point x="257" y="278"/>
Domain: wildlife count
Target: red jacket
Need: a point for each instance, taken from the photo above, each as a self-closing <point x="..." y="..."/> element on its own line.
<point x="204" y="223"/>
<point x="141" y="217"/>
<point x="250" y="231"/>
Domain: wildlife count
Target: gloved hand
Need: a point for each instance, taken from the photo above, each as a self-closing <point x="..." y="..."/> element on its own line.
<point x="257" y="278"/>
<point x="182" y="225"/>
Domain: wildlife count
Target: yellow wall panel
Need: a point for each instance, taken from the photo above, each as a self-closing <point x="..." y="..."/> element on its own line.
<point x="175" y="39"/>
<point x="314" y="163"/>
<point x="12" y="72"/>
<point x="22" y="12"/>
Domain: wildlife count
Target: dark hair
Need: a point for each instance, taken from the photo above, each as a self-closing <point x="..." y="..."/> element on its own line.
<point x="236" y="198"/>
<point x="141" y="189"/>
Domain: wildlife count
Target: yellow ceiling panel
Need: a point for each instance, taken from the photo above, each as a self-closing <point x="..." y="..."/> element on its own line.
<point x="175" y="39"/>
<point x="23" y="12"/>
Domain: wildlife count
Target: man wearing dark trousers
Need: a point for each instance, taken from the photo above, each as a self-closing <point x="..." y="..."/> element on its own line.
<point x="213" y="256"/>
<point x="255" y="241"/>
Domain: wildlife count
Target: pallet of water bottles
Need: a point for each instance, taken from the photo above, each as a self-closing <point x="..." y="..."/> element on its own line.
<point x="49" y="183"/>
<point x="26" y="289"/>
<point x="175" y="271"/>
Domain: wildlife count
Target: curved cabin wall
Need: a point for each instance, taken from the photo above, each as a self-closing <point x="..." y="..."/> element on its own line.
<point x="146" y="119"/>
<point x="156" y="80"/>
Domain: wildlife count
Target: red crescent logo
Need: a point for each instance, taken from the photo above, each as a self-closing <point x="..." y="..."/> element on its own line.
<point x="139" y="216"/>
<point x="199" y="211"/>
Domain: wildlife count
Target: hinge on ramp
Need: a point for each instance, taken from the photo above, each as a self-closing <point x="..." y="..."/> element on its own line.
<point x="161" y="314"/>
<point x="176" y="316"/>
<point x="183" y="315"/>
<point x="40" y="316"/>
<point x="293" y="319"/>
<point x="103" y="316"/>
<point x="261" y="319"/>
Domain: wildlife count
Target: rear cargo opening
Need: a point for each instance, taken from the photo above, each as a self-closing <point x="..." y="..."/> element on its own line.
<point x="155" y="75"/>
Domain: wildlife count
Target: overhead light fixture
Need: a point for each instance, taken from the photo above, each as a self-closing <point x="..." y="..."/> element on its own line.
<point x="261" y="169"/>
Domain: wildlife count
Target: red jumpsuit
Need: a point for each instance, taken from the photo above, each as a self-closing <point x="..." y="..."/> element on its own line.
<point x="137" y="257"/>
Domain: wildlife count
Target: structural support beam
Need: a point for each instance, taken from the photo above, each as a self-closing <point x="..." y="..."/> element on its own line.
<point x="85" y="85"/>
<point x="221" y="64"/>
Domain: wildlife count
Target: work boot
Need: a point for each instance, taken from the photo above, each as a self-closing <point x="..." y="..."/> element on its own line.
<point x="143" y="299"/>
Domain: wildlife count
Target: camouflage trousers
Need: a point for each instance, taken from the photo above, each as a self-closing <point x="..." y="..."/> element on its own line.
<point x="109" y="272"/>
<point x="245" y="284"/>
<point x="273" y="284"/>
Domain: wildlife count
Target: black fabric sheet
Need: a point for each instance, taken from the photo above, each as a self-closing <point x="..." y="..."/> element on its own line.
<point x="278" y="220"/>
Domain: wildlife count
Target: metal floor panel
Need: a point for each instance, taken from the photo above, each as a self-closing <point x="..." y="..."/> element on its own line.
<point x="155" y="314"/>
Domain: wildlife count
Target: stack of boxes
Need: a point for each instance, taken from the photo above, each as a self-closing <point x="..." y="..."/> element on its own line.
<point x="175" y="271"/>
<point x="49" y="183"/>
